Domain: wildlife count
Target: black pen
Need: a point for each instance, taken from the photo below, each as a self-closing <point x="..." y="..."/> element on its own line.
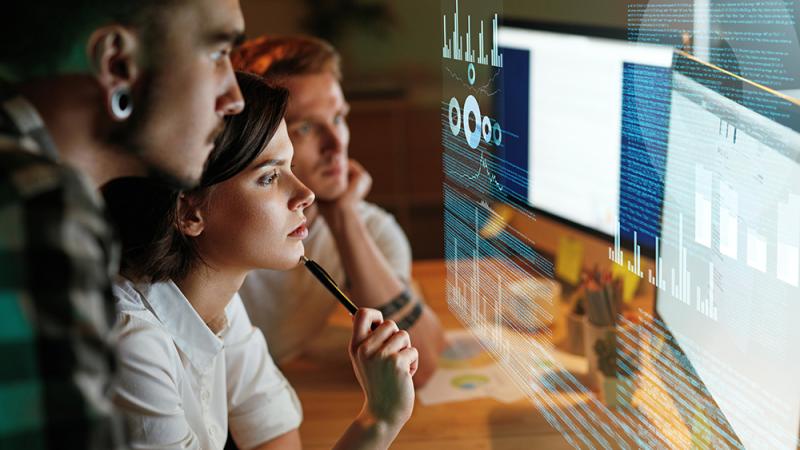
<point x="326" y="280"/>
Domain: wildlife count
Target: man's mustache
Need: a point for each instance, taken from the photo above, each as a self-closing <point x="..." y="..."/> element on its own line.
<point x="216" y="132"/>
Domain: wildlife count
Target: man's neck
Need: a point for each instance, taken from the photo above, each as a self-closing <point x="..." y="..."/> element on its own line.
<point x="70" y="109"/>
<point x="209" y="291"/>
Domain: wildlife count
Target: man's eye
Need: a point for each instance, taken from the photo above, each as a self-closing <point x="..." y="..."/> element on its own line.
<point x="220" y="54"/>
<point x="303" y="129"/>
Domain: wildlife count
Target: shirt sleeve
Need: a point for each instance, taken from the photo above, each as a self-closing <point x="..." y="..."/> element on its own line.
<point x="55" y="310"/>
<point x="147" y="390"/>
<point x="262" y="405"/>
<point x="393" y="243"/>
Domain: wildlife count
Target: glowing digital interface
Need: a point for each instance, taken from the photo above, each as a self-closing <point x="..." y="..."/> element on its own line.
<point x="681" y="144"/>
<point x="575" y="103"/>
<point x="728" y="266"/>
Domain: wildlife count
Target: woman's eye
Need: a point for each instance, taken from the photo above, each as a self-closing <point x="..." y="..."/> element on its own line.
<point x="269" y="178"/>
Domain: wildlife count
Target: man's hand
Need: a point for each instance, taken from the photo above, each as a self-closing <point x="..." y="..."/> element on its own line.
<point x="359" y="183"/>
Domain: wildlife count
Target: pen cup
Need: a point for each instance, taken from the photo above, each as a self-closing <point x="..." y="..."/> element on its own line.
<point x="600" y="348"/>
<point x="575" y="326"/>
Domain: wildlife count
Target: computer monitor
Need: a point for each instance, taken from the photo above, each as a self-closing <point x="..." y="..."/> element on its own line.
<point x="562" y="106"/>
<point x="729" y="260"/>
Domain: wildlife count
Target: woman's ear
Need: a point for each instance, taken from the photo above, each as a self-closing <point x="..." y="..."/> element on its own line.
<point x="190" y="216"/>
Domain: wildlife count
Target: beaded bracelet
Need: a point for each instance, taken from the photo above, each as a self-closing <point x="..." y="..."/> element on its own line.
<point x="396" y="304"/>
<point x="411" y="318"/>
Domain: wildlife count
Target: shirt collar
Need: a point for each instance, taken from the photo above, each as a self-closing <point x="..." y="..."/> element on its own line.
<point x="26" y="123"/>
<point x="190" y="333"/>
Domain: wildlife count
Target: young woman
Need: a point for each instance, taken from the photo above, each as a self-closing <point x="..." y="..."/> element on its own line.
<point x="191" y="366"/>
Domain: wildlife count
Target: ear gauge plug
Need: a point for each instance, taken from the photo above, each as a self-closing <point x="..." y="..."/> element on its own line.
<point x="121" y="104"/>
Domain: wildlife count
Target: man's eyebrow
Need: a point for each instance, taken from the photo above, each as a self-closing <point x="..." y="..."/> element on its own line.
<point x="234" y="37"/>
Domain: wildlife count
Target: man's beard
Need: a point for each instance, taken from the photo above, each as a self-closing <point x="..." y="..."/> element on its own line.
<point x="130" y="136"/>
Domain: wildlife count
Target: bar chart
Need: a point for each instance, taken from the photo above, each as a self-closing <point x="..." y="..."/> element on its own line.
<point x="453" y="46"/>
<point x="770" y="246"/>
<point x="706" y="305"/>
<point x="657" y="279"/>
<point x="481" y="277"/>
<point x="728" y="221"/>
<point x="635" y="266"/>
<point x="470" y="298"/>
<point x="788" y="246"/>
<point x="616" y="254"/>
<point x="702" y="206"/>
<point x="680" y="285"/>
<point x="756" y="250"/>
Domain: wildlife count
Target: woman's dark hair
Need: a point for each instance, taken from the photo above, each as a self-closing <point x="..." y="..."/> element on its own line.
<point x="145" y="210"/>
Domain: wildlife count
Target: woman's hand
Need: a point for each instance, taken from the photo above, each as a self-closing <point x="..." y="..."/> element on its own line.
<point x="384" y="362"/>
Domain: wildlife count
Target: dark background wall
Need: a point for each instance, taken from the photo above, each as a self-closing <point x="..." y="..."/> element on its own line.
<point x="393" y="81"/>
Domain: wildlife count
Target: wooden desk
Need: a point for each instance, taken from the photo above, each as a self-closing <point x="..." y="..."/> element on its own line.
<point x="331" y="396"/>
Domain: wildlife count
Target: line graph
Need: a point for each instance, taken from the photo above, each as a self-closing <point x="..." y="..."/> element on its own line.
<point x="483" y="90"/>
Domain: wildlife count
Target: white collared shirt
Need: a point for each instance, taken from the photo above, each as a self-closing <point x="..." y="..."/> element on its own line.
<point x="181" y="386"/>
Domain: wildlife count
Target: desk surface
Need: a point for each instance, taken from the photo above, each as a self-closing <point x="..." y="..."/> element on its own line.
<point x="331" y="397"/>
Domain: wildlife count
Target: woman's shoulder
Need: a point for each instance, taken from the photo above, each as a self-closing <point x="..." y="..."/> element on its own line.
<point x="137" y="330"/>
<point x="129" y="295"/>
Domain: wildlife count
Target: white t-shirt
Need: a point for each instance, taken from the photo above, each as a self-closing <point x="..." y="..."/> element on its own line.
<point x="291" y="307"/>
<point x="180" y="386"/>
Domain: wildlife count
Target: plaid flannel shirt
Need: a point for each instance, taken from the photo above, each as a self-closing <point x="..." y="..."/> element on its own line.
<point x="57" y="257"/>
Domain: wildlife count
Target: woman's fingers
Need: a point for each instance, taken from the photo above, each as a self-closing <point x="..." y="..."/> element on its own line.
<point x="363" y="322"/>
<point x="408" y="360"/>
<point x="375" y="341"/>
<point x="396" y="342"/>
<point x="386" y="340"/>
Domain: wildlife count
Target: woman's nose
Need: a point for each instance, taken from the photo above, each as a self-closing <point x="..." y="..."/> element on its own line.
<point x="302" y="198"/>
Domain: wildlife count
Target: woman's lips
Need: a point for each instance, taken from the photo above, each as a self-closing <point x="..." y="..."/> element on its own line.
<point x="300" y="232"/>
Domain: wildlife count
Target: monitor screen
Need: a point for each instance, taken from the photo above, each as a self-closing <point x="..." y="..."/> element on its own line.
<point x="729" y="265"/>
<point x="567" y="127"/>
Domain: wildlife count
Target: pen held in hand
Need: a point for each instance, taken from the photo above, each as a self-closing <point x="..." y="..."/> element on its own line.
<point x="326" y="280"/>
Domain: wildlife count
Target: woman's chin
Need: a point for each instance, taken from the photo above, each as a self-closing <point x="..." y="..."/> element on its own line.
<point x="293" y="256"/>
<point x="287" y="259"/>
